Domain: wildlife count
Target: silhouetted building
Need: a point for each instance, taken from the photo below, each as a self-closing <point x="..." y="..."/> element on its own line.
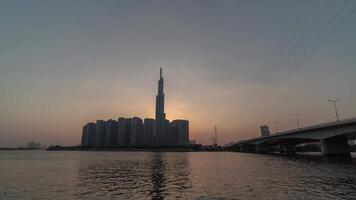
<point x="85" y="136"/>
<point x="136" y="131"/>
<point x="91" y="128"/>
<point x="133" y="132"/>
<point x="160" y="120"/>
<point x="123" y="132"/>
<point x="265" y="131"/>
<point x="149" y="135"/>
<point x="166" y="136"/>
<point x="33" y="145"/>
<point x="99" y="137"/>
<point x="179" y="132"/>
<point x="111" y="133"/>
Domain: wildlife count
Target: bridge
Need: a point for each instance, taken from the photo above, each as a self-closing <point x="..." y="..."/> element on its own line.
<point x="332" y="136"/>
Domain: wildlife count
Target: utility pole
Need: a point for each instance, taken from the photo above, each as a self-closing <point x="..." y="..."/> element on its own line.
<point x="298" y="115"/>
<point x="334" y="101"/>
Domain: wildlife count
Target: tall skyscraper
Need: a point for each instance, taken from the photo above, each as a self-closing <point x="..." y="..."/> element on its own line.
<point x="160" y="122"/>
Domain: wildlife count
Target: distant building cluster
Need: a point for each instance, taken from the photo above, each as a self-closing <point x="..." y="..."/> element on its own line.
<point x="33" y="145"/>
<point x="126" y="132"/>
<point x="265" y="131"/>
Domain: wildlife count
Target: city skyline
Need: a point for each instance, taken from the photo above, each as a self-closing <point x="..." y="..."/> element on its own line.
<point x="135" y="132"/>
<point x="66" y="63"/>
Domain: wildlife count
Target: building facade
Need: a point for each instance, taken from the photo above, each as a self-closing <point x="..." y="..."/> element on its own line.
<point x="123" y="132"/>
<point x="85" y="136"/>
<point x="179" y="132"/>
<point x="88" y="135"/>
<point x="136" y="131"/>
<point x="91" y="133"/>
<point x="111" y="133"/>
<point x="99" y="136"/>
<point x="265" y="131"/>
<point x="149" y="134"/>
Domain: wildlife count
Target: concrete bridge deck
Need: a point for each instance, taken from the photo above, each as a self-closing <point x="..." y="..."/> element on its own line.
<point x="333" y="137"/>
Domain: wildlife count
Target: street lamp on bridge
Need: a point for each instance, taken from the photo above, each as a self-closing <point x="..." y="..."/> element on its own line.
<point x="334" y="101"/>
<point x="298" y="115"/>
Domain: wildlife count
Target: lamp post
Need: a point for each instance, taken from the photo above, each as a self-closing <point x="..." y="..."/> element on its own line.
<point x="298" y="115"/>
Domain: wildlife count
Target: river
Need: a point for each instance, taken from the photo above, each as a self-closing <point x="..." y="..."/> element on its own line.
<point x="173" y="175"/>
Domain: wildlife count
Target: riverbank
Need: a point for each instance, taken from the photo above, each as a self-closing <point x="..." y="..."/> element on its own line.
<point x="156" y="149"/>
<point x="17" y="149"/>
<point x="138" y="148"/>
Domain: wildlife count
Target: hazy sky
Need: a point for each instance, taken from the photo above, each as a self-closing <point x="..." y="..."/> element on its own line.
<point x="236" y="64"/>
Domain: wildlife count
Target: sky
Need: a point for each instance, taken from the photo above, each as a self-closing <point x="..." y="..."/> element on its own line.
<point x="236" y="64"/>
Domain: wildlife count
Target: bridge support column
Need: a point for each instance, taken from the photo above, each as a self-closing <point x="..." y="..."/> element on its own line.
<point x="335" y="146"/>
<point x="262" y="149"/>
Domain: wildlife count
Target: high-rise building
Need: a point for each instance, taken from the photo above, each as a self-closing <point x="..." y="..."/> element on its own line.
<point x="91" y="128"/>
<point x="85" y="136"/>
<point x="166" y="133"/>
<point x="160" y="120"/>
<point x="88" y="135"/>
<point x="149" y="135"/>
<point x="99" y="137"/>
<point x="123" y="132"/>
<point x="265" y="131"/>
<point x="110" y="133"/>
<point x="179" y="132"/>
<point x="133" y="132"/>
<point x="136" y="131"/>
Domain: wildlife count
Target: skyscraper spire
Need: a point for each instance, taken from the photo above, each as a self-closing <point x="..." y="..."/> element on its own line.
<point x="160" y="72"/>
<point x="160" y="115"/>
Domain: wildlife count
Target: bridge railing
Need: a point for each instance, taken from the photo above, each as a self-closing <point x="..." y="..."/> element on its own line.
<point x="307" y="128"/>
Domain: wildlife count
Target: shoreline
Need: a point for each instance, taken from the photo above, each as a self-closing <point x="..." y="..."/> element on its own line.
<point x="136" y="149"/>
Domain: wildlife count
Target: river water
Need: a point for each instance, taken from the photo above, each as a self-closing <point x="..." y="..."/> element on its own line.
<point x="172" y="175"/>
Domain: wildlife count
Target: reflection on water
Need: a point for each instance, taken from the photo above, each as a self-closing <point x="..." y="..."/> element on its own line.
<point x="159" y="175"/>
<point x="151" y="175"/>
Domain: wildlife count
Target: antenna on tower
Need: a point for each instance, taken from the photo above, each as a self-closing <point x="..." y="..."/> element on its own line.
<point x="160" y="72"/>
<point x="215" y="137"/>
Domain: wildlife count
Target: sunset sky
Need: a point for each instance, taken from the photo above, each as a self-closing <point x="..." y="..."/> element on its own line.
<point x="237" y="64"/>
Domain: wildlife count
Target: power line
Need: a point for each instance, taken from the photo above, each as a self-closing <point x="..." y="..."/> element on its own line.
<point x="276" y="49"/>
<point x="296" y="29"/>
<point x="313" y="45"/>
<point x="304" y="36"/>
<point x="334" y="101"/>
